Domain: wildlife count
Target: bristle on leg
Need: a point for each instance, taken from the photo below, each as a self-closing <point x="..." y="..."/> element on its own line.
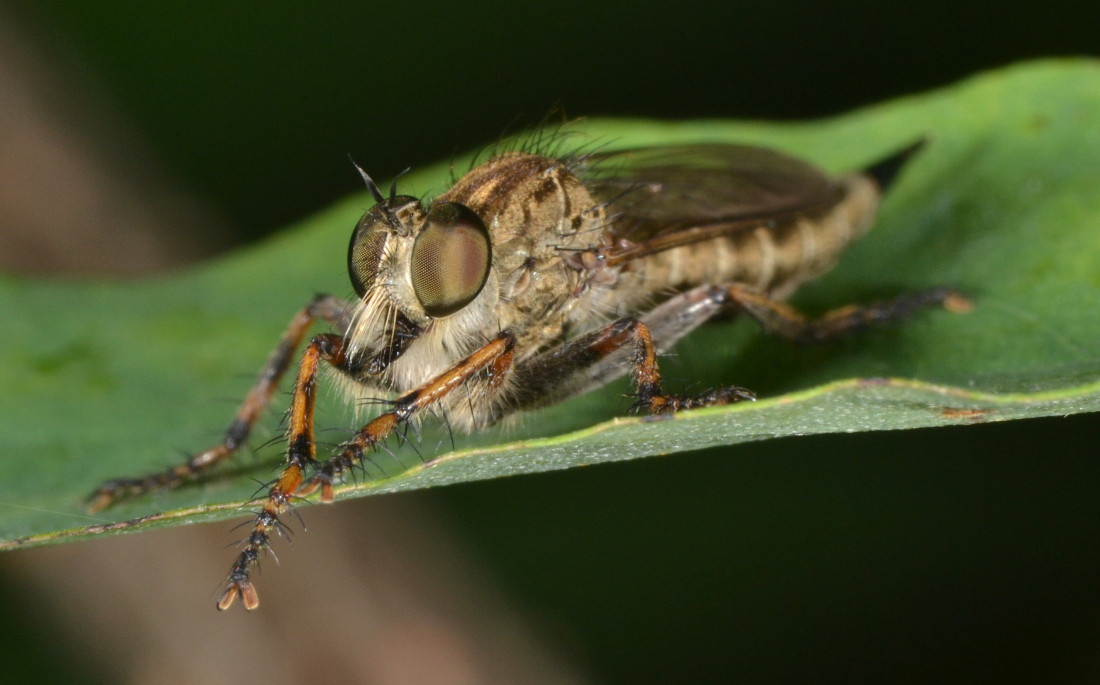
<point x="292" y="483"/>
<point x="259" y="540"/>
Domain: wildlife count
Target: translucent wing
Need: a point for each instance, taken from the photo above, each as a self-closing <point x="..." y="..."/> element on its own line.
<point x="664" y="197"/>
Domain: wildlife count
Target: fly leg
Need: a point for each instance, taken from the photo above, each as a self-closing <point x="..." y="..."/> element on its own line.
<point x="647" y="376"/>
<point x="786" y="321"/>
<point x="495" y="358"/>
<point x="590" y="360"/>
<point x="299" y="455"/>
<point x="326" y="307"/>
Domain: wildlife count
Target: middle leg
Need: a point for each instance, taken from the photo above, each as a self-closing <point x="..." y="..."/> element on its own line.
<point x="591" y="361"/>
<point x="596" y="358"/>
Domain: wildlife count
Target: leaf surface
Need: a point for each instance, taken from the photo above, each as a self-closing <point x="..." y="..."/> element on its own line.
<point x="105" y="379"/>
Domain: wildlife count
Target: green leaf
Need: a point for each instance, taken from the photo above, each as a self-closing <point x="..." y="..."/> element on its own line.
<point x="120" y="378"/>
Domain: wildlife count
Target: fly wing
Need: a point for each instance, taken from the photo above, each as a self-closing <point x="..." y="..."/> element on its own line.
<point x="664" y="197"/>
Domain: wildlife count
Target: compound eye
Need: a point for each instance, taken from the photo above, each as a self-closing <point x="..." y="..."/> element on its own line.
<point x="450" y="259"/>
<point x="368" y="242"/>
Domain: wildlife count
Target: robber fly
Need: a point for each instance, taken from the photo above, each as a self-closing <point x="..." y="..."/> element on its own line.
<point x="535" y="277"/>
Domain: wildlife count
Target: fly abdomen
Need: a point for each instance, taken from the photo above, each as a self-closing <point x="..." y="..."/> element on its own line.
<point x="775" y="256"/>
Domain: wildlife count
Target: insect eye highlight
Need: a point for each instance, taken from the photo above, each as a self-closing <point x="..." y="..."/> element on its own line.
<point x="368" y="242"/>
<point x="450" y="259"/>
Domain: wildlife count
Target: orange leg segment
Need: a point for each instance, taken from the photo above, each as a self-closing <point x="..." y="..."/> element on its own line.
<point x="496" y="356"/>
<point x="325" y="307"/>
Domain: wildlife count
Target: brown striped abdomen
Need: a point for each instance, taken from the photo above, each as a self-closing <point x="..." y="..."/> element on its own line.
<point x="772" y="259"/>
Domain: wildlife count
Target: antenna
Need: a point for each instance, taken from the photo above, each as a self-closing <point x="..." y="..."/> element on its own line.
<point x="393" y="186"/>
<point x="371" y="186"/>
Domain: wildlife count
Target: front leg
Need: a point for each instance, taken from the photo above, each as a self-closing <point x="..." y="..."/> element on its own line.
<point x="299" y="455"/>
<point x="496" y="357"/>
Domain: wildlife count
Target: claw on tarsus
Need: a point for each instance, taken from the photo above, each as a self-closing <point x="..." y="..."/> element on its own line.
<point x="238" y="584"/>
<point x="239" y="588"/>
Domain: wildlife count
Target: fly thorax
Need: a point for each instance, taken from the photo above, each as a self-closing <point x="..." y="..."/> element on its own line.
<point x="539" y="215"/>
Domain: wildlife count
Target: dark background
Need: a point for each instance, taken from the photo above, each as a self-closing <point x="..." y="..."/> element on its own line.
<point x="957" y="554"/>
<point x="255" y="109"/>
